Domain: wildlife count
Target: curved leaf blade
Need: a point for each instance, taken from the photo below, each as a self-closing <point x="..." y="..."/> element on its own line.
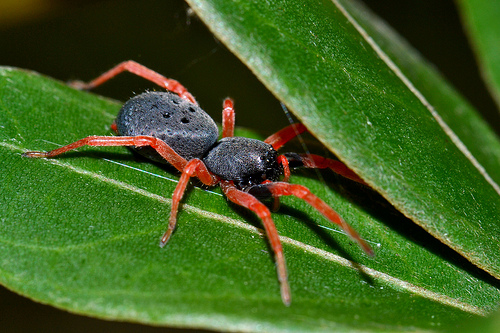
<point x="81" y="233"/>
<point x="483" y="28"/>
<point x="456" y="112"/>
<point x="319" y="60"/>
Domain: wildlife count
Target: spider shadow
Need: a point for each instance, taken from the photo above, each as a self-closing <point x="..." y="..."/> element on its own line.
<point x="375" y="205"/>
<point x="325" y="237"/>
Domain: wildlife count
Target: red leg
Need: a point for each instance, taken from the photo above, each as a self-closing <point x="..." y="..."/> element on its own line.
<point x="286" y="176"/>
<point x="278" y="139"/>
<point x="320" y="162"/>
<point x="138" y="141"/>
<point x="228" y="118"/>
<point x="113" y="126"/>
<point x="286" y="168"/>
<point x="249" y="201"/>
<point x="195" y="167"/>
<point x="302" y="192"/>
<point x="142" y="71"/>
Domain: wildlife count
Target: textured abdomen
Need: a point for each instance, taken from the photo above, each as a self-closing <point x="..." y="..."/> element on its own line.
<point x="183" y="125"/>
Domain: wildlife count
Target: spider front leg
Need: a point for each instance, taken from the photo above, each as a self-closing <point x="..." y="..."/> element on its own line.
<point x="249" y="201"/>
<point x="280" y="138"/>
<point x="139" y="70"/>
<point x="136" y="141"/>
<point x="320" y="162"/>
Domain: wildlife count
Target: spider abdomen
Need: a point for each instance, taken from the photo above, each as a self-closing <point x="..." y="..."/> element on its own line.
<point x="182" y="125"/>
<point x="245" y="161"/>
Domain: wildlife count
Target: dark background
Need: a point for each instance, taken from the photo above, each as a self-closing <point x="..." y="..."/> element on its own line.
<point x="81" y="39"/>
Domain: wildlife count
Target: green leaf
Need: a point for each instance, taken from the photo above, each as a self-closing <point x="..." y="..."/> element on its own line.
<point x="488" y="325"/>
<point x="321" y="60"/>
<point x="483" y="28"/>
<point x="456" y="112"/>
<point x="80" y="232"/>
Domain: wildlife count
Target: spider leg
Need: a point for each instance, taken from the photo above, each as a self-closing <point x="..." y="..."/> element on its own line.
<point x="286" y="175"/>
<point x="320" y="162"/>
<point x="302" y="192"/>
<point x="278" y="139"/>
<point x="113" y="126"/>
<point x="249" y="201"/>
<point x="194" y="167"/>
<point x="228" y="116"/>
<point x="283" y="160"/>
<point x="138" y="141"/>
<point x="139" y="70"/>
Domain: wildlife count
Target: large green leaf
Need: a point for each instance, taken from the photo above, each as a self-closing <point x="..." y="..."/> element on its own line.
<point x="319" y="59"/>
<point x="481" y="22"/>
<point x="456" y="112"/>
<point x="81" y="232"/>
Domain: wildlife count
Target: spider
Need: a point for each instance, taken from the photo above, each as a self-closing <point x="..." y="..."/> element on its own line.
<point x="170" y="127"/>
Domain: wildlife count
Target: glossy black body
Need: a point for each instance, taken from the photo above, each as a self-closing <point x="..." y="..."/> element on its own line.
<point x="245" y="161"/>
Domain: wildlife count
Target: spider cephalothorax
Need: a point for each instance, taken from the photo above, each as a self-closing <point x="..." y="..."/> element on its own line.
<point x="244" y="161"/>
